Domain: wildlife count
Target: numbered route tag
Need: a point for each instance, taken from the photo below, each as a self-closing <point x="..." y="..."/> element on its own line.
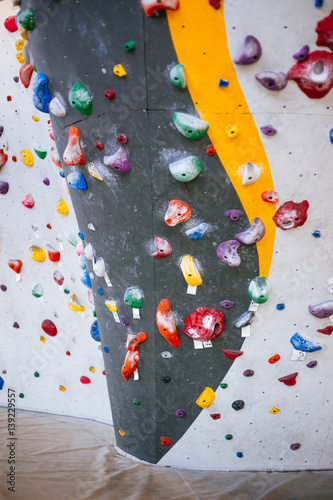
<point x="136" y="375"/>
<point x="254" y="306"/>
<point x="246" y="331"/>
<point x="192" y="290"/>
<point x="61" y="246"/>
<point x="201" y="345"/>
<point x="107" y="280"/>
<point x="136" y="313"/>
<point x="297" y="355"/>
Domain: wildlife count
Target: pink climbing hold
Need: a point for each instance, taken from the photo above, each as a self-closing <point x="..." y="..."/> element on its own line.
<point x="28" y="201"/>
<point x="73" y="155"/>
<point x="26" y="72"/>
<point x="10" y="24"/>
<point x="50" y="129"/>
<point x="58" y="277"/>
<point x="163" y="248"/>
<point x="85" y="380"/>
<point x="3" y="158"/>
<point x="152" y="6"/>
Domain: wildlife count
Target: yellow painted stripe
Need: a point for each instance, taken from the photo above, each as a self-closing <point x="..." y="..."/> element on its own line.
<point x="200" y="39"/>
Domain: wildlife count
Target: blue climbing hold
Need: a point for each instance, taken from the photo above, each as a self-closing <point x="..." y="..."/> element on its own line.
<point x="1" y="383"/>
<point x="85" y="278"/>
<point x="83" y="261"/>
<point x="41" y="93"/>
<point x="62" y="174"/>
<point x="105" y="349"/>
<point x="80" y="236"/>
<point x="280" y="306"/>
<point x="100" y="291"/>
<point x="223" y="83"/>
<point x="319" y="3"/>
<point x="316" y="233"/>
<point x="75" y="180"/>
<point x="94" y="331"/>
<point x="239" y="454"/>
<point x="197" y="232"/>
<point x="331" y="135"/>
<point x="303" y="345"/>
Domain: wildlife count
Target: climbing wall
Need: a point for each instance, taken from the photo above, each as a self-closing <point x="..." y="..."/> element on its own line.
<point x="45" y="346"/>
<point x="197" y="158"/>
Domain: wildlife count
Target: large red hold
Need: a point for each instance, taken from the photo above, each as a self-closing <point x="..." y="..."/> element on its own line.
<point x="204" y="324"/>
<point x="232" y="354"/>
<point x="49" y="327"/>
<point x="152" y="6"/>
<point x="314" y="75"/>
<point x="10" y="24"/>
<point x="326" y="331"/>
<point x="291" y="214"/>
<point x="26" y="71"/>
<point x="166" y="323"/>
<point x="324" y="30"/>
<point x="289" y="379"/>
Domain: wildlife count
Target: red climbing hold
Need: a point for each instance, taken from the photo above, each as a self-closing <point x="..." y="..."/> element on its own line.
<point x="26" y="71"/>
<point x="15" y="264"/>
<point x="289" y="379"/>
<point x="48" y="226"/>
<point x="314" y="75"/>
<point x="215" y="416"/>
<point x="58" y="277"/>
<point x="123" y="139"/>
<point x="210" y="150"/>
<point x="291" y="214"/>
<point x="10" y="24"/>
<point x="324" y="30"/>
<point x="3" y="158"/>
<point x="53" y="253"/>
<point x="14" y="159"/>
<point x="215" y="3"/>
<point x="9" y="98"/>
<point x="28" y="201"/>
<point x="73" y="155"/>
<point x="152" y="6"/>
<point x="204" y="324"/>
<point x="49" y="327"/>
<point x="99" y="145"/>
<point x="326" y="331"/>
<point x="166" y="323"/>
<point x="85" y="380"/>
<point x="232" y="354"/>
<point x="109" y="94"/>
<point x="274" y="359"/>
<point x="165" y="440"/>
<point x="68" y="353"/>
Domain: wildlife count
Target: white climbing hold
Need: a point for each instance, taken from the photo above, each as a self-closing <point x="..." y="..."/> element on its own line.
<point x="89" y="251"/>
<point x="251" y="174"/>
<point x="99" y="267"/>
<point x="56" y="108"/>
<point x="94" y="172"/>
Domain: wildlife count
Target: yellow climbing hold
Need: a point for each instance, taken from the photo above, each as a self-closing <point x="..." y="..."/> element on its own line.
<point x="19" y="44"/>
<point x="122" y="432"/>
<point x="62" y="388"/>
<point x="232" y="131"/>
<point x="94" y="172"/>
<point x="35" y="118"/>
<point x="92" y="369"/>
<point x="206" y="398"/>
<point x="111" y="305"/>
<point x="119" y="70"/>
<point x="24" y="34"/>
<point x="74" y="304"/>
<point x="41" y="338"/>
<point x="26" y="157"/>
<point x="62" y="207"/>
<point x="37" y="253"/>
<point x="190" y="271"/>
<point x="20" y="58"/>
<point x="274" y="410"/>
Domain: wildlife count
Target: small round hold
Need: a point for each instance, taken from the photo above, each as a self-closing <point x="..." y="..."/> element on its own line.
<point x="124" y="321"/>
<point x="238" y="404"/>
<point x="109" y="94"/>
<point x="239" y="454"/>
<point x="248" y="373"/>
<point x="3" y="288"/>
<point x="280" y="306"/>
<point x="105" y="349"/>
<point x="136" y="402"/>
<point x="295" y="446"/>
<point x="4" y="372"/>
<point x="223" y="386"/>
<point x="21" y="395"/>
<point x="268" y="130"/>
<point x="180" y="413"/>
<point x="228" y="437"/>
<point x="232" y="131"/>
<point x="46" y="181"/>
<point x="129" y="46"/>
<point x="68" y="353"/>
<point x="316" y="233"/>
<point x="16" y="325"/>
<point x="99" y="145"/>
<point x="210" y="150"/>
<point x="166" y="354"/>
<point x="14" y="159"/>
<point x="16" y="79"/>
<point x="123" y="139"/>
<point x="312" y="364"/>
<point x="80" y="235"/>
<point x="66" y="290"/>
<point x="36" y="374"/>
<point x="62" y="175"/>
<point x="100" y="291"/>
<point x="165" y="378"/>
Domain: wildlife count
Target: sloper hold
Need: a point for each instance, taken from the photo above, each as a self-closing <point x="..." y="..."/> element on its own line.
<point x="322" y="310"/>
<point x="177" y="76"/>
<point x="251" y="174"/>
<point x="132" y="357"/>
<point x="85" y="380"/>
<point x="79" y="98"/>
<point x="291" y="215"/>
<point x="289" y="379"/>
<point x="74" y="304"/>
<point x="119" y="160"/>
<point x="73" y="155"/>
<point x="324" y="31"/>
<point x="272" y="80"/>
<point x="301" y="344"/>
<point x="49" y="327"/>
<point x="92" y="169"/>
<point x="28" y="201"/>
<point x="133" y="297"/>
<point x="232" y="354"/>
<point x="314" y="75"/>
<point x="56" y="108"/>
<point x="152" y="6"/>
<point x="259" y="289"/>
<point x="26" y="157"/>
<point x="197" y="232"/>
<point x="53" y="253"/>
<point x="58" y="277"/>
<point x="227" y="252"/>
<point x="166" y="323"/>
<point x="37" y="253"/>
<point x="26" y="71"/>
<point x="190" y="271"/>
<point x="250" y="52"/>
<point x="163" y="248"/>
<point x="186" y="170"/>
<point x="26" y="19"/>
<point x="40" y="152"/>
<point x="62" y="207"/>
<point x="254" y="234"/>
<point x="190" y="126"/>
<point x="206" y="398"/>
<point x="76" y="180"/>
<point x="204" y="324"/>
<point x="41" y="93"/>
<point x="178" y="211"/>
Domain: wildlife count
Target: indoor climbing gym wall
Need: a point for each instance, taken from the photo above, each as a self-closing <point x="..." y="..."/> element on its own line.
<point x="195" y="140"/>
<point x="47" y="353"/>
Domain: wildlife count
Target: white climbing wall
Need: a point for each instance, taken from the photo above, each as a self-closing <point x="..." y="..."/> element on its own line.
<point x="72" y="353"/>
<point x="300" y="157"/>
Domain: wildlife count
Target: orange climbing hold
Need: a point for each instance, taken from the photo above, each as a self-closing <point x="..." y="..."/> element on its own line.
<point x="178" y="211"/>
<point x="165" y="440"/>
<point x="274" y="359"/>
<point x="15" y="264"/>
<point x="3" y="158"/>
<point x="26" y="71"/>
<point x="53" y="253"/>
<point x="73" y="153"/>
<point x="132" y="357"/>
<point x="166" y="323"/>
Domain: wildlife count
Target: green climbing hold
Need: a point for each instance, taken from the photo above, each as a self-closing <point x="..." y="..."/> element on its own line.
<point x="190" y="126"/>
<point x="26" y="20"/>
<point x="177" y="76"/>
<point x="41" y="152"/>
<point x="259" y="289"/>
<point x="95" y="314"/>
<point x="137" y="402"/>
<point x="228" y="437"/>
<point x="37" y="291"/>
<point x="66" y="290"/>
<point x="129" y="46"/>
<point x="133" y="297"/>
<point x="223" y="386"/>
<point x="36" y="374"/>
<point x="21" y="395"/>
<point x="186" y="170"/>
<point x="79" y="98"/>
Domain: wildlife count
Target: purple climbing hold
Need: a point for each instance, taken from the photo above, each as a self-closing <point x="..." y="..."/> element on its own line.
<point x="16" y="325"/>
<point x="312" y="364"/>
<point x="253" y="234"/>
<point x="118" y="161"/>
<point x="1" y="130"/>
<point x="295" y="446"/>
<point x="180" y="413"/>
<point x="234" y="214"/>
<point x="303" y="53"/>
<point x="4" y="186"/>
<point x="227" y="252"/>
<point x="3" y="288"/>
<point x="46" y="181"/>
<point x="272" y="80"/>
<point x="16" y="79"/>
<point x="248" y="373"/>
<point x="322" y="310"/>
<point x="268" y="130"/>
<point x="227" y="304"/>
<point x="124" y="321"/>
<point x="250" y="52"/>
